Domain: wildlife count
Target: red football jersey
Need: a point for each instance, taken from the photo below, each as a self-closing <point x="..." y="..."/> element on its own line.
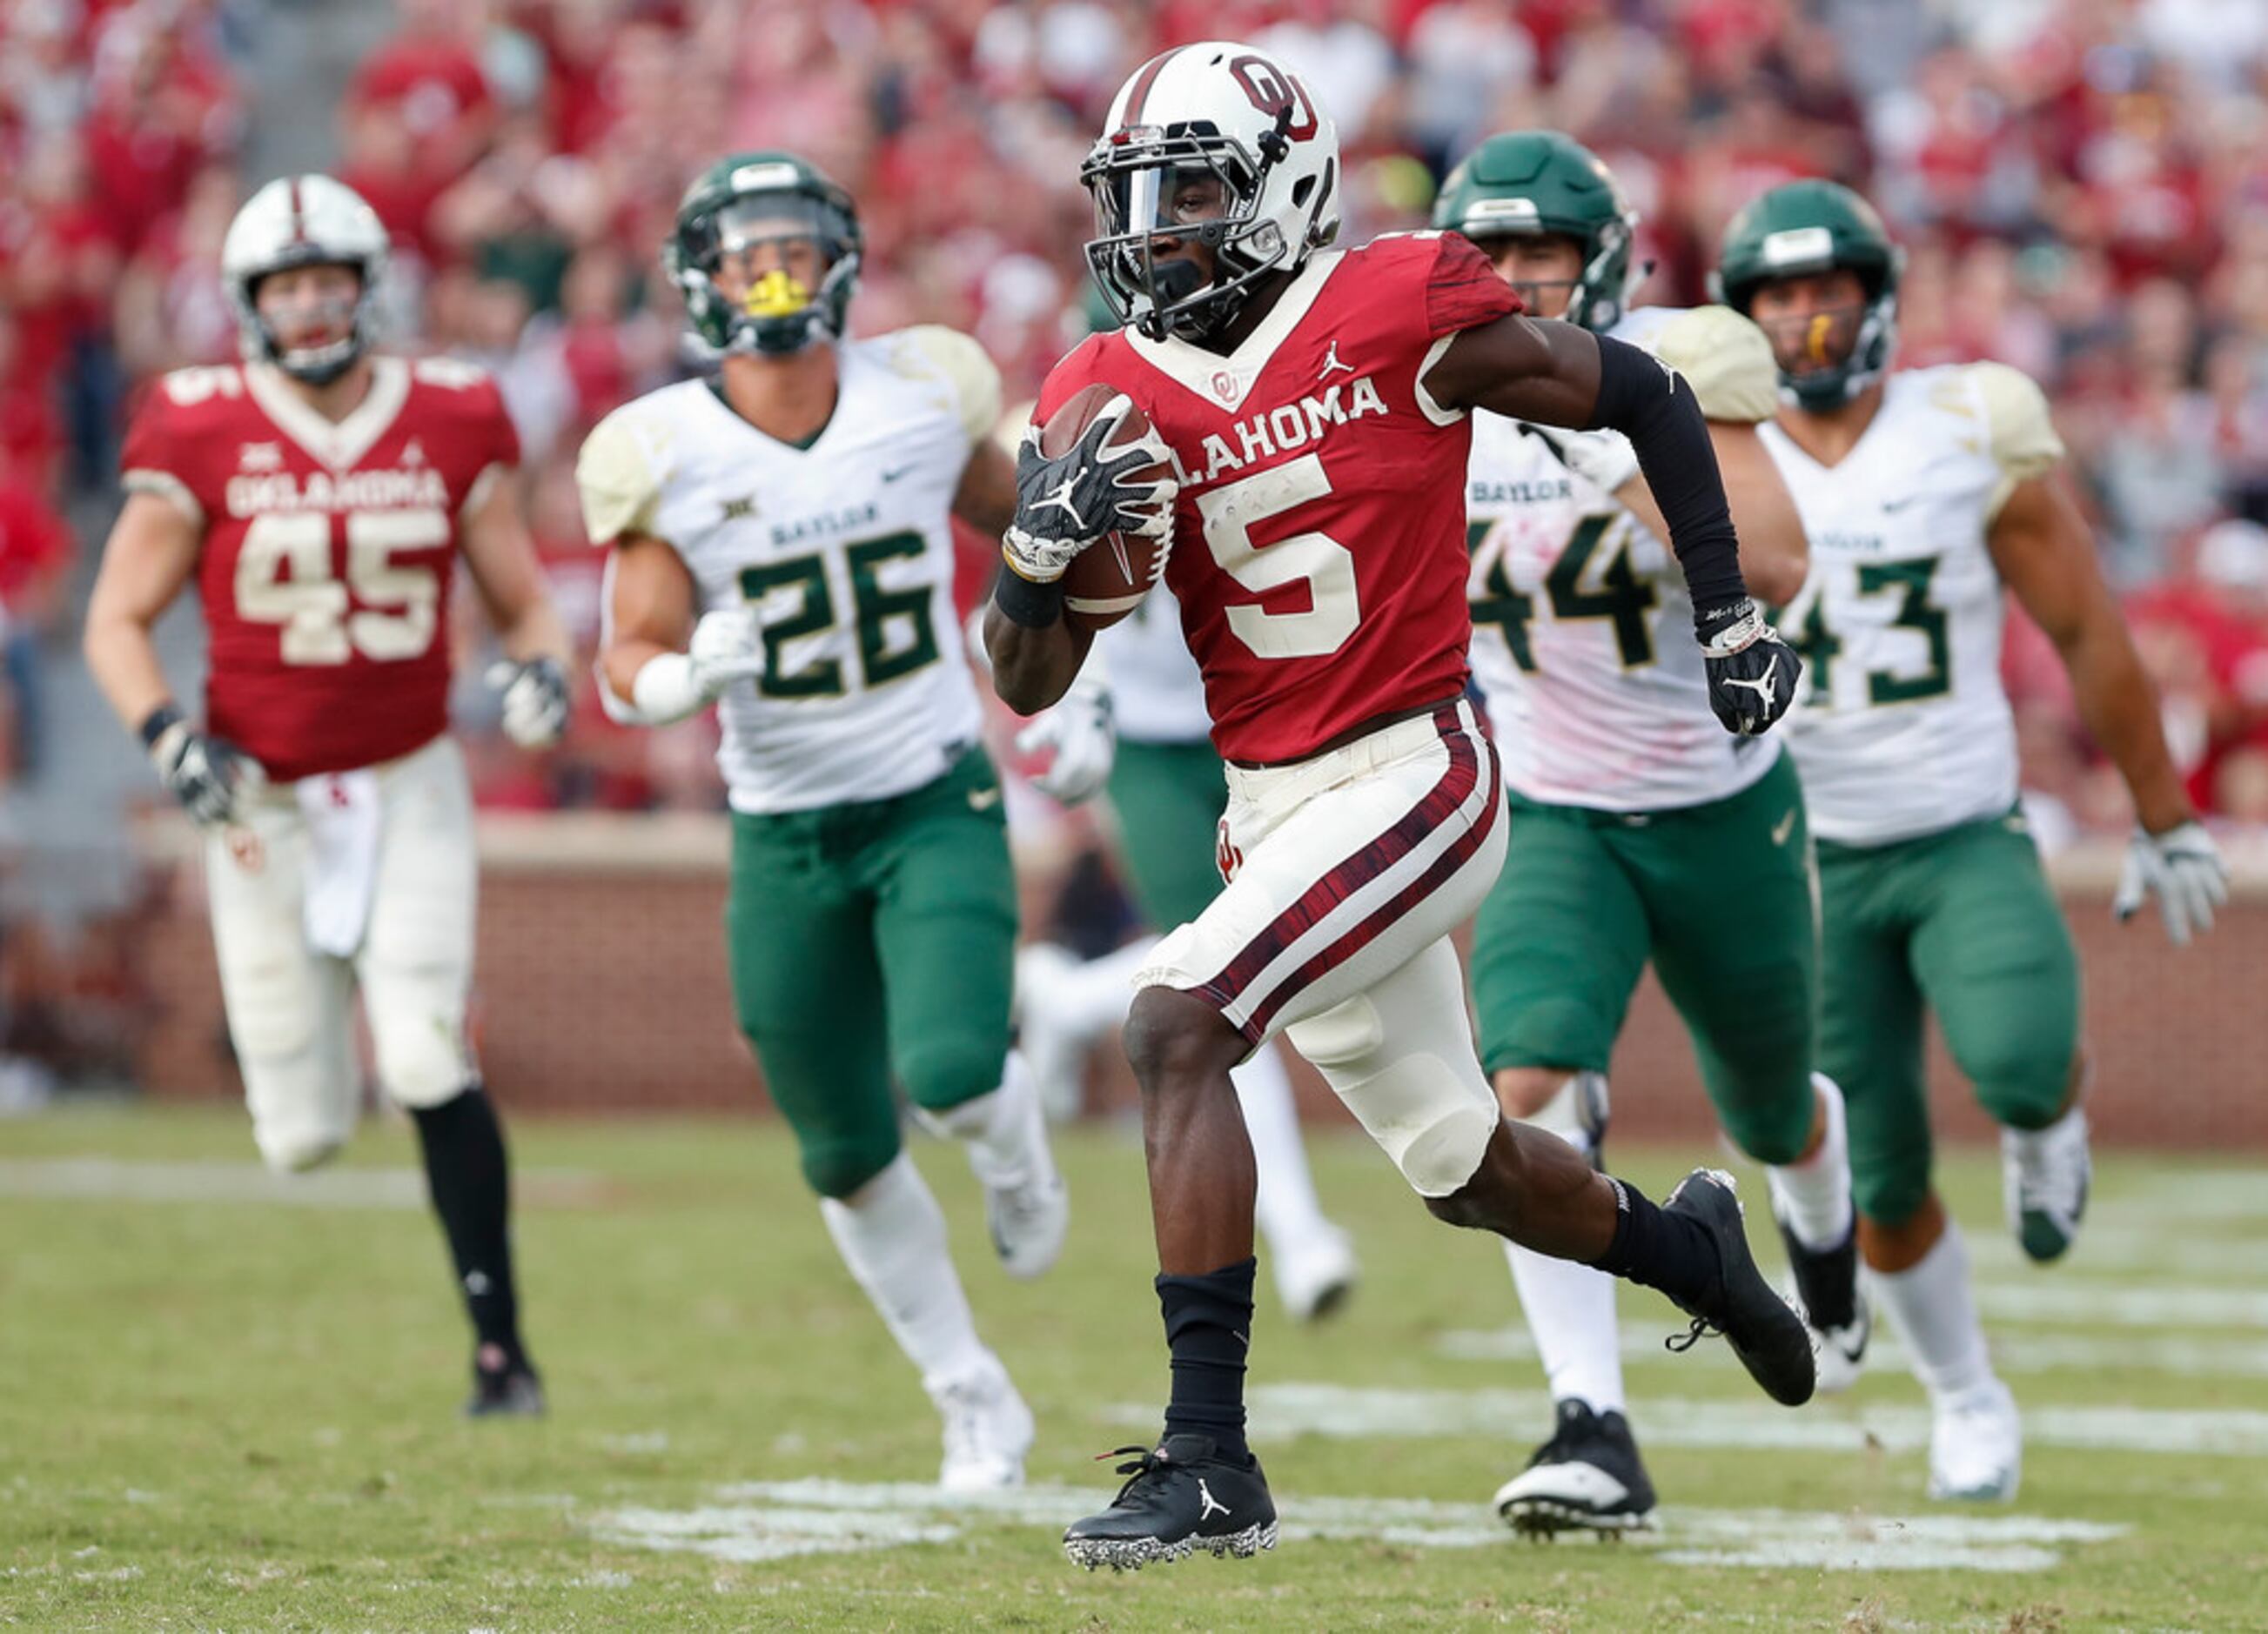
<point x="1319" y="543"/>
<point x="328" y="548"/>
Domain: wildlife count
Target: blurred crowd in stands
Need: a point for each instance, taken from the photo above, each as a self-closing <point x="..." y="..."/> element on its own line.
<point x="2082" y="185"/>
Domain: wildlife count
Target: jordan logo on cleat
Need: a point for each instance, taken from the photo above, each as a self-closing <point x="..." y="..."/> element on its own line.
<point x="1207" y="1503"/>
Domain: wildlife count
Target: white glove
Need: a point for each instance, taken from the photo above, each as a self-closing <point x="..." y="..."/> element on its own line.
<point x="1079" y="729"/>
<point x="535" y="700"/>
<point x="2183" y="869"/>
<point x="727" y="646"/>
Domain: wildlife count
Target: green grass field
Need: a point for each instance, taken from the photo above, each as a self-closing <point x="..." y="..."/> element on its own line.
<point x="230" y="1404"/>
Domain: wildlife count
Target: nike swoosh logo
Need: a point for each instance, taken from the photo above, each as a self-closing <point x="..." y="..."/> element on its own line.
<point x="892" y="476"/>
<point x="1781" y="829"/>
<point x="983" y="799"/>
<point x="1899" y="503"/>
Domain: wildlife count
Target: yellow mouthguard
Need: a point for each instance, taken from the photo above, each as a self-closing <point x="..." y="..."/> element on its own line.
<point x="776" y="295"/>
<point x="1814" y="339"/>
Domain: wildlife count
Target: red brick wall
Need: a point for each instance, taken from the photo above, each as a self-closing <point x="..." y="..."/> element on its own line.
<point x="602" y="988"/>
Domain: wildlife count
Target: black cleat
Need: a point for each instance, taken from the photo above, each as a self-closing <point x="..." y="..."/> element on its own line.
<point x="1762" y="1329"/>
<point x="1826" y="1291"/>
<point x="1180" y="1497"/>
<point x="1587" y="1478"/>
<point x="510" y="1392"/>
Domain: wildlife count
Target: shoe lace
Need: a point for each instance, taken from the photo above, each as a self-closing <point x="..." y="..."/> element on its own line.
<point x="1141" y="1462"/>
<point x="1678" y="1343"/>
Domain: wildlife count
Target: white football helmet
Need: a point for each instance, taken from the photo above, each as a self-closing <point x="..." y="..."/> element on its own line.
<point x="298" y="221"/>
<point x="1213" y="110"/>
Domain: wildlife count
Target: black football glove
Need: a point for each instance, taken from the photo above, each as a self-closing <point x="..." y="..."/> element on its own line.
<point x="1066" y="504"/>
<point x="211" y="777"/>
<point x="1753" y="673"/>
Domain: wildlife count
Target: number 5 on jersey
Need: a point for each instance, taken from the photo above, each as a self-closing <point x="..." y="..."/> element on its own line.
<point x="1325" y="565"/>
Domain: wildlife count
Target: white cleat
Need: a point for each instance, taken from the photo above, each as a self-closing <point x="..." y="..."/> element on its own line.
<point x="1056" y="1054"/>
<point x="1842" y="1352"/>
<point x="1976" y="1445"/>
<point x="1314" y="1273"/>
<point x="988" y="1431"/>
<point x="1029" y="1213"/>
<point x="2043" y="1177"/>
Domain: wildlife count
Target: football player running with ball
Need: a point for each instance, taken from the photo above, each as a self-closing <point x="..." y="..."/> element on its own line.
<point x="319" y="495"/>
<point x="1926" y="493"/>
<point x="1634" y="821"/>
<point x="1146" y="736"/>
<point x="1314" y="405"/>
<point x="782" y="547"/>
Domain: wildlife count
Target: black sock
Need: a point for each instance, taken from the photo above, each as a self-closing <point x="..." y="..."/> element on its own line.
<point x="1208" y="1329"/>
<point x="465" y="1168"/>
<point x="1657" y="1250"/>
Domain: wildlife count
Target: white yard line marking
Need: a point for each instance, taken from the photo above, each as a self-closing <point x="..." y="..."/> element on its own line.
<point x="111" y="1180"/>
<point x="1282" y="1410"/>
<point x="778" y="1519"/>
<point x="2016" y="1351"/>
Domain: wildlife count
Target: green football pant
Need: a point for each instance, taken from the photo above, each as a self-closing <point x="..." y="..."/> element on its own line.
<point x="1962" y="922"/>
<point x="870" y="941"/>
<point x="1169" y="798"/>
<point x="1719" y="897"/>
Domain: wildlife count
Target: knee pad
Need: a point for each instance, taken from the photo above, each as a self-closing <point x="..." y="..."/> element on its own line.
<point x="2025" y="1092"/>
<point x="419" y="1042"/>
<point x="301" y="1116"/>
<point x="423" y="1068"/>
<point x="836" y="1167"/>
<point x="296" y="1153"/>
<point x="947" y="1081"/>
<point x="1577" y="1113"/>
<point x="1432" y="1119"/>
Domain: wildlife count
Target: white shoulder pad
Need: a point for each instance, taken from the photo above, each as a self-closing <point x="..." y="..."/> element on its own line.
<point x="1725" y="359"/>
<point x="960" y="363"/>
<point x="2023" y="437"/>
<point x="2024" y="440"/>
<point x="617" y="474"/>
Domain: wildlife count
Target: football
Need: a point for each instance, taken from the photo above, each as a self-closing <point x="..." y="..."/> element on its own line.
<point x="1104" y="583"/>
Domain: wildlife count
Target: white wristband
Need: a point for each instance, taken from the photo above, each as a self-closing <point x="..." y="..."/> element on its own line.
<point x="662" y="691"/>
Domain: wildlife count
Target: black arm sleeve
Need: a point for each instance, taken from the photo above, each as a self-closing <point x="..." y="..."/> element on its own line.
<point x="1653" y="406"/>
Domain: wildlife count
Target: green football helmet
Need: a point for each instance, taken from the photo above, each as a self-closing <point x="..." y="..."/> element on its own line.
<point x="1810" y="226"/>
<point x="743" y="200"/>
<point x="1531" y="183"/>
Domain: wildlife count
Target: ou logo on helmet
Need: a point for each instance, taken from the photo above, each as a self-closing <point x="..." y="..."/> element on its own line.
<point x="1272" y="91"/>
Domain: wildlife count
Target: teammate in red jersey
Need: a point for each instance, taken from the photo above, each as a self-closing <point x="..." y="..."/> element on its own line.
<point x="1313" y="406"/>
<point x="319" y="495"/>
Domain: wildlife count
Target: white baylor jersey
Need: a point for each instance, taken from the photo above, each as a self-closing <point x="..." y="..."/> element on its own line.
<point x="845" y="550"/>
<point x="1157" y="691"/>
<point x="1582" y="630"/>
<point x="1903" y="728"/>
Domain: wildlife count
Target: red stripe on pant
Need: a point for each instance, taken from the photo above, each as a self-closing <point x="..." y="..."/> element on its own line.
<point x="1439" y="873"/>
<point x="1437" y="806"/>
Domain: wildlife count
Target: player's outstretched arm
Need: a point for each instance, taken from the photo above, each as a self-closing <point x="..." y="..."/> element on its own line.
<point x="1560" y="374"/>
<point x="152" y="551"/>
<point x="150" y="555"/>
<point x="501" y="558"/>
<point x="2045" y="554"/>
<point x="1775" y="552"/>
